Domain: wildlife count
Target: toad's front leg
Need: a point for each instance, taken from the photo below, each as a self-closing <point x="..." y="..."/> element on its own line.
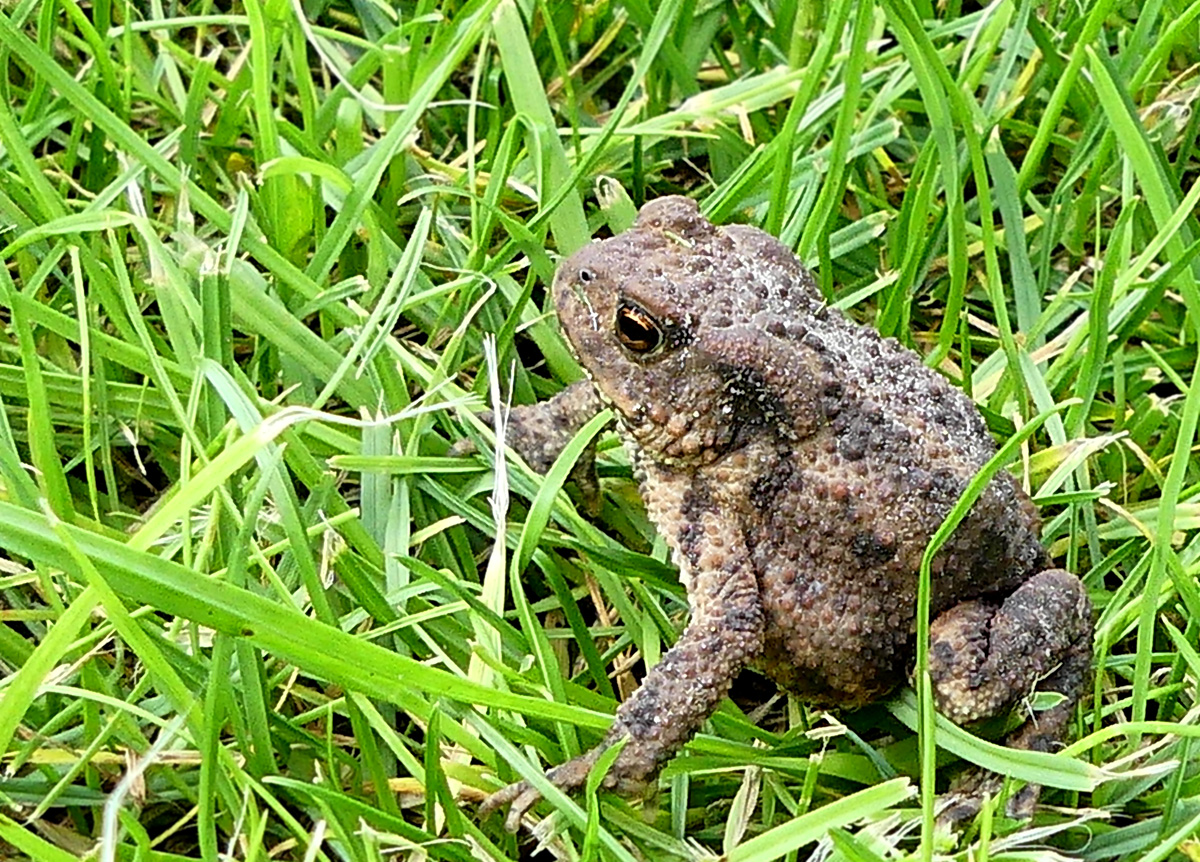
<point x="678" y="694"/>
<point x="539" y="432"/>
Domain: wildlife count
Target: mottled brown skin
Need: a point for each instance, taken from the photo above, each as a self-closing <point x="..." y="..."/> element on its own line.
<point x="797" y="464"/>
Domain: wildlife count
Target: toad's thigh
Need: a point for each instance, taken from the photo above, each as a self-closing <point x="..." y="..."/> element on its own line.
<point x="984" y="655"/>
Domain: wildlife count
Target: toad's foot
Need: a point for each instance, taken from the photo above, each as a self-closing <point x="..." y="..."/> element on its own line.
<point x="539" y="432"/>
<point x="970" y="790"/>
<point x="521" y="795"/>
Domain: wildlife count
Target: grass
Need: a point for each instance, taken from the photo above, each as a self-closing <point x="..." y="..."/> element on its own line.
<point x="252" y="605"/>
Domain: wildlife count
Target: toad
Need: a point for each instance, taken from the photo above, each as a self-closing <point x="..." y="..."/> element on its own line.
<point x="797" y="464"/>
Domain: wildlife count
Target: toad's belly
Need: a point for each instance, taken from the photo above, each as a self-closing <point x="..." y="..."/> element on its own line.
<point x="832" y="659"/>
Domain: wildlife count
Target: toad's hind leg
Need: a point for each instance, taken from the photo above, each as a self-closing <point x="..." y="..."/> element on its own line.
<point x="985" y="656"/>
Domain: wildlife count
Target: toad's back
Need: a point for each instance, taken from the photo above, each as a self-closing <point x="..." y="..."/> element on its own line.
<point x="838" y="521"/>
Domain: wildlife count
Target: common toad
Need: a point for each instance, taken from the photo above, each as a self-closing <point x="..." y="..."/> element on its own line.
<point x="797" y="465"/>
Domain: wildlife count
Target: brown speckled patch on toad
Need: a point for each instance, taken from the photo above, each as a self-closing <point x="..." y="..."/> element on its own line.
<point x="797" y="464"/>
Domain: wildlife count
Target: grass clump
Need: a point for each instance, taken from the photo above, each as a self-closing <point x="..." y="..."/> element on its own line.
<point x="254" y="607"/>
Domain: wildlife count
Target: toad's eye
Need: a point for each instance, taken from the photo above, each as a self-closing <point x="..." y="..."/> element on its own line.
<point x="586" y="276"/>
<point x="637" y="330"/>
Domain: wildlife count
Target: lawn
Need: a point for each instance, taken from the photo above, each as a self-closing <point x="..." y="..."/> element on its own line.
<point x="265" y="263"/>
